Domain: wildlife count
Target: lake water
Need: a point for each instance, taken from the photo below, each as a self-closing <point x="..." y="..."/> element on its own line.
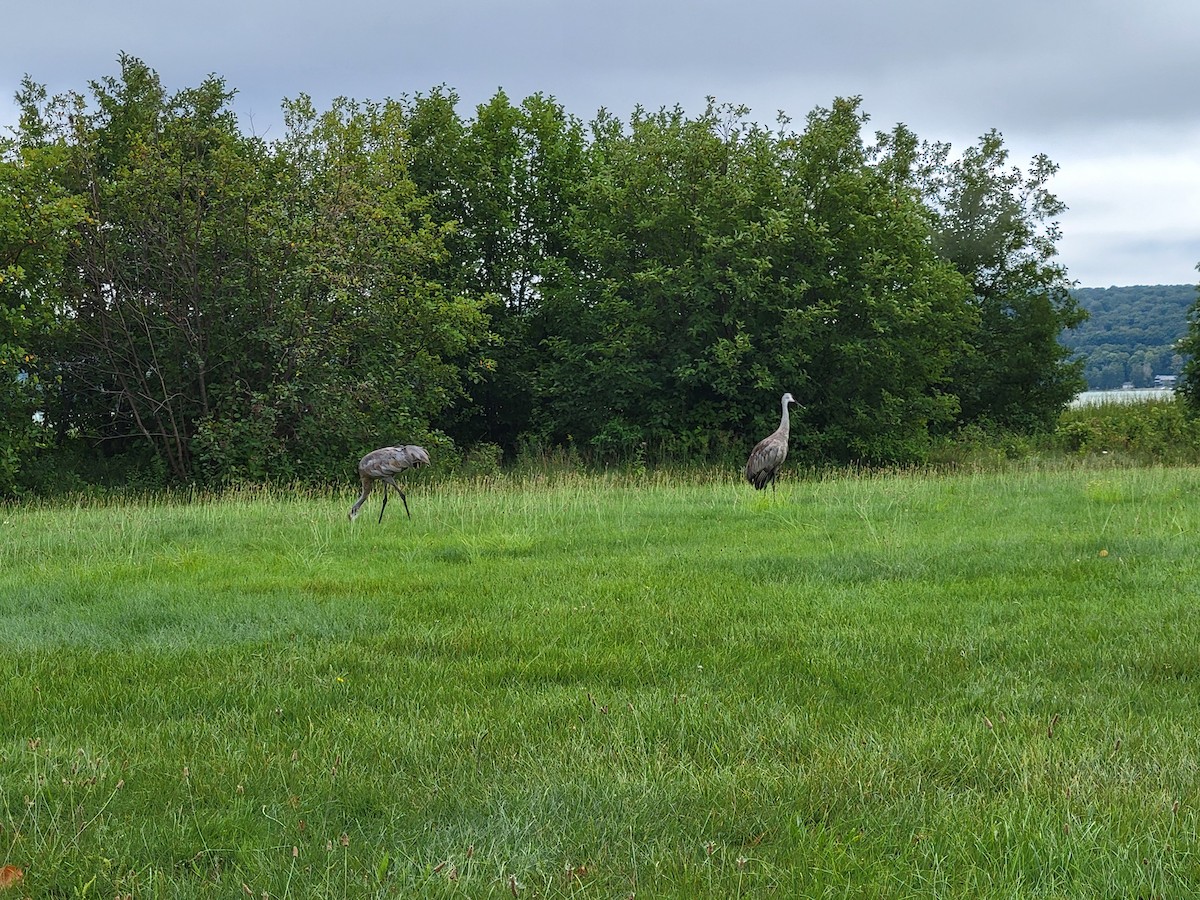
<point x="1133" y="395"/>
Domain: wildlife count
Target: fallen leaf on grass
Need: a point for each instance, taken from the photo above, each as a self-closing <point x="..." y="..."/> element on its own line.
<point x="10" y="876"/>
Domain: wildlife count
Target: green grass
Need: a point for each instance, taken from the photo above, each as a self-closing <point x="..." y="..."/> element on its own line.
<point x="907" y="685"/>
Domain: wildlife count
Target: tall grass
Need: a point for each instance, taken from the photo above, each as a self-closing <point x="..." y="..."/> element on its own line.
<point x="879" y="685"/>
<point x="1160" y="430"/>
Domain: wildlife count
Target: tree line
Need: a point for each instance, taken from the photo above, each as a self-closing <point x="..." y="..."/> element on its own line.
<point x="1131" y="333"/>
<point x="186" y="303"/>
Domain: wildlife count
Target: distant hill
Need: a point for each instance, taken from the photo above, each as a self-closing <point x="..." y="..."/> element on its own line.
<point x="1130" y="333"/>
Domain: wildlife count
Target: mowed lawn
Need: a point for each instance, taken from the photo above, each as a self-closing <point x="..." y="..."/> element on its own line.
<point x="883" y="686"/>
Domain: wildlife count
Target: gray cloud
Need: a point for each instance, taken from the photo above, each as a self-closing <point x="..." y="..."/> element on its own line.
<point x="1104" y="87"/>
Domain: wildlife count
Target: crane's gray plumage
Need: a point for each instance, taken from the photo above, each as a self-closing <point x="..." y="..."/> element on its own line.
<point x="765" y="459"/>
<point x="384" y="465"/>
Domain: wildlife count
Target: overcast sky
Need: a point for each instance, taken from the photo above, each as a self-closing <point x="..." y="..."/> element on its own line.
<point x="1106" y="88"/>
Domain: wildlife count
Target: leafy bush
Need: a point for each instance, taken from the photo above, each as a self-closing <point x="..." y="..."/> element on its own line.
<point x="480" y="461"/>
<point x="1156" y="431"/>
<point x="241" y="449"/>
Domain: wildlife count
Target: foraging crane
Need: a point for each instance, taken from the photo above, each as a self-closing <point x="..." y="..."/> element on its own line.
<point x="765" y="459"/>
<point x="384" y="465"/>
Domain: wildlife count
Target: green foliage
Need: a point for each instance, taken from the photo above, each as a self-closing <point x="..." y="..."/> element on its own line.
<point x="247" y="311"/>
<point x="1131" y="334"/>
<point x="996" y="223"/>
<point x="387" y="272"/>
<point x="37" y="218"/>
<point x="1188" y="385"/>
<point x="722" y="264"/>
<point x="1155" y="431"/>
<point x="365" y="347"/>
<point x="236" y="448"/>
<point x="886" y="318"/>
<point x="506" y="179"/>
<point x="165" y="276"/>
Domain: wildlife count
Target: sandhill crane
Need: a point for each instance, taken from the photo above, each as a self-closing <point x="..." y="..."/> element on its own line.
<point x="384" y="465"/>
<point x="765" y="459"/>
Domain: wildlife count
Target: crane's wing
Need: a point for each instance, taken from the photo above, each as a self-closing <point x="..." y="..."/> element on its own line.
<point x="388" y="461"/>
<point x="765" y="460"/>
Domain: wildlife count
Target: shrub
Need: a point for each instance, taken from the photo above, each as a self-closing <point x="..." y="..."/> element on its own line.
<point x="1155" y="431"/>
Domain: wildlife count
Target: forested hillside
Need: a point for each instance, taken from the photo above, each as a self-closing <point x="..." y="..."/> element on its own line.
<point x="1130" y="334"/>
<point x="183" y="303"/>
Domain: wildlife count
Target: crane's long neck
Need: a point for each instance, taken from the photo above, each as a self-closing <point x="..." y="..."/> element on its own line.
<point x="784" y="425"/>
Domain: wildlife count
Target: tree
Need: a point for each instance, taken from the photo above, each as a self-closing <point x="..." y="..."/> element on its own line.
<point x="649" y="330"/>
<point x="241" y="311"/>
<point x="221" y="308"/>
<point x="1189" y="382"/>
<point x="884" y="316"/>
<point x="164" y="274"/>
<point x="721" y="264"/>
<point x="37" y="220"/>
<point x="361" y="345"/>
<point x="996" y="224"/>
<point x="506" y="180"/>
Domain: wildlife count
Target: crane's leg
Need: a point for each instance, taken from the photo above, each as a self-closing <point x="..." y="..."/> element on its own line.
<point x="399" y="490"/>
<point x="362" y="498"/>
<point x="382" y="508"/>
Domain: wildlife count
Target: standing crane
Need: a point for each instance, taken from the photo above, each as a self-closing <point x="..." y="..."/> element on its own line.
<point x="384" y="465"/>
<point x="765" y="459"/>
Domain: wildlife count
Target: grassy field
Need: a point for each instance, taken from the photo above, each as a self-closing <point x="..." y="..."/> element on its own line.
<point x="907" y="685"/>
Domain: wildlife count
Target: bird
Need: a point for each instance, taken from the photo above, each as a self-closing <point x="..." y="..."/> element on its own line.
<point x="384" y="465"/>
<point x="765" y="459"/>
